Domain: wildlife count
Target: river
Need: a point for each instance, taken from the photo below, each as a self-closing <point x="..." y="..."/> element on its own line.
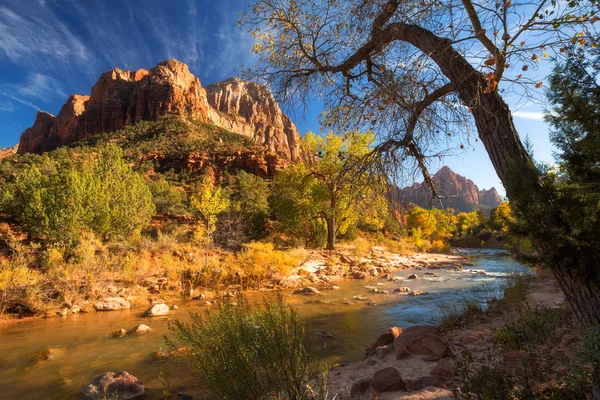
<point x="84" y="346"/>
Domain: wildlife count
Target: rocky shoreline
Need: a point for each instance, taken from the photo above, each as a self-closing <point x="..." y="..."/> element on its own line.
<point x="420" y="362"/>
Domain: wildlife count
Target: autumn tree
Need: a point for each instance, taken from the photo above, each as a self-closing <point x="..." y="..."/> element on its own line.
<point x="416" y="71"/>
<point x="210" y="201"/>
<point x="332" y="189"/>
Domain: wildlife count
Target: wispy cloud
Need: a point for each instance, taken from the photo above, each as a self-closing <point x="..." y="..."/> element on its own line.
<point x="39" y="86"/>
<point x="30" y="34"/>
<point x="7" y="106"/>
<point x="531" y="115"/>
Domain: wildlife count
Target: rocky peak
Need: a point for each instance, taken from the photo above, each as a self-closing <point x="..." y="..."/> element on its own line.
<point x="120" y="98"/>
<point x="250" y="109"/>
<point x="459" y="193"/>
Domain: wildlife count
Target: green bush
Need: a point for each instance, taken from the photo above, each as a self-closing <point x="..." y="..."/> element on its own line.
<point x="244" y="352"/>
<point x="62" y="195"/>
<point x="532" y="328"/>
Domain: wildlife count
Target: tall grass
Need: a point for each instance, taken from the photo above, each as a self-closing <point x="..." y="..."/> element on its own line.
<point x="251" y="352"/>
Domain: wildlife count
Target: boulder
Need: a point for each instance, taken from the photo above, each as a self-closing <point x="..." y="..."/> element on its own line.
<point x="444" y="369"/>
<point x="360" y="387"/>
<point x="413" y="276"/>
<point x="387" y="380"/>
<point x="122" y="386"/>
<point x="112" y="304"/>
<point x="421" y="339"/>
<point x="402" y="290"/>
<point x="156" y="310"/>
<point x="385" y="339"/>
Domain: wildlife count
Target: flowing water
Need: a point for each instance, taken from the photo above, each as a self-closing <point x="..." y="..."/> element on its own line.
<point x="84" y="346"/>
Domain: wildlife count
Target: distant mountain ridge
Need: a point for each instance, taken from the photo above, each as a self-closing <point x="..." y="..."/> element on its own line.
<point x="457" y="192"/>
<point x="122" y="98"/>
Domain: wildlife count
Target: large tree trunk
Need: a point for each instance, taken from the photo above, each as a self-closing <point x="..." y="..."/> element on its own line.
<point x="582" y="294"/>
<point x="512" y="163"/>
<point x="331" y="232"/>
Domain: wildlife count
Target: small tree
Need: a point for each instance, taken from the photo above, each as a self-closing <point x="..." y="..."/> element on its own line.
<point x="208" y="203"/>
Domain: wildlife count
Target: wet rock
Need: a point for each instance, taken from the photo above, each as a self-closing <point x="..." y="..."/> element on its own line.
<point x="142" y="329"/>
<point x="75" y="309"/>
<point x="201" y="296"/>
<point x="387" y="380"/>
<point x="112" y="304"/>
<point x="121" y="332"/>
<point x="110" y="385"/>
<point x="360" y="298"/>
<point x="156" y="310"/>
<point x="174" y="307"/>
<point x="417" y="293"/>
<point x="324" y="334"/>
<point x="402" y="290"/>
<point x="309" y="290"/>
<point x="334" y="287"/>
<point x="47" y="355"/>
<point x="385" y="339"/>
<point x="413" y="276"/>
<point x="358" y="275"/>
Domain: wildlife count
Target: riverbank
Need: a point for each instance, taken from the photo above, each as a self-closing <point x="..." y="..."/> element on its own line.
<point x="175" y="273"/>
<point x="523" y="344"/>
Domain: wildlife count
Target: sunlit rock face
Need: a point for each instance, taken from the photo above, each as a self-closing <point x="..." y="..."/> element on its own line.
<point x="249" y="109"/>
<point x="120" y="98"/>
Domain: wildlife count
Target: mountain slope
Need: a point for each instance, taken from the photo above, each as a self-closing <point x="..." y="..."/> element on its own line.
<point x="457" y="191"/>
<point x="122" y="98"/>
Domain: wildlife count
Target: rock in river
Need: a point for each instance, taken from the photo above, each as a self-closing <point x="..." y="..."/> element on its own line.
<point x="307" y="290"/>
<point x="122" y="386"/>
<point x="156" y="310"/>
<point x="112" y="304"/>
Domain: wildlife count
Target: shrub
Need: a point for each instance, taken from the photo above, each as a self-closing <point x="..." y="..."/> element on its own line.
<point x="244" y="352"/>
<point x="361" y="247"/>
<point x="259" y="260"/>
<point x="532" y="328"/>
<point x="60" y="197"/>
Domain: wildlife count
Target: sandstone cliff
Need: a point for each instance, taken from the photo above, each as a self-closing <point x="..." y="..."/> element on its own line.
<point x="120" y="98"/>
<point x="8" y="151"/>
<point x="462" y="194"/>
<point x="249" y="109"/>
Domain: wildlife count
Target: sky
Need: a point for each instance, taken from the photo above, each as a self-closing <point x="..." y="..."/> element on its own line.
<point x="50" y="49"/>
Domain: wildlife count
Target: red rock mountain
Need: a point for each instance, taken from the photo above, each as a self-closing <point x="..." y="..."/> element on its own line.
<point x="120" y="98"/>
<point x="462" y="194"/>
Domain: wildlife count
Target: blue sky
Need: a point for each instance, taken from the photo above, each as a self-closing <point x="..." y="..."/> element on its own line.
<point x="50" y="49"/>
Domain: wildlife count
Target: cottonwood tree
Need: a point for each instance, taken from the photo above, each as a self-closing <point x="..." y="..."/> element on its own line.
<point x="416" y="71"/>
<point x="331" y="190"/>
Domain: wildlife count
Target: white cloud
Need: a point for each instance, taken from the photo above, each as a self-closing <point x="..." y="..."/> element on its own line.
<point x="531" y="115"/>
<point x="39" y="86"/>
<point x="34" y="36"/>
